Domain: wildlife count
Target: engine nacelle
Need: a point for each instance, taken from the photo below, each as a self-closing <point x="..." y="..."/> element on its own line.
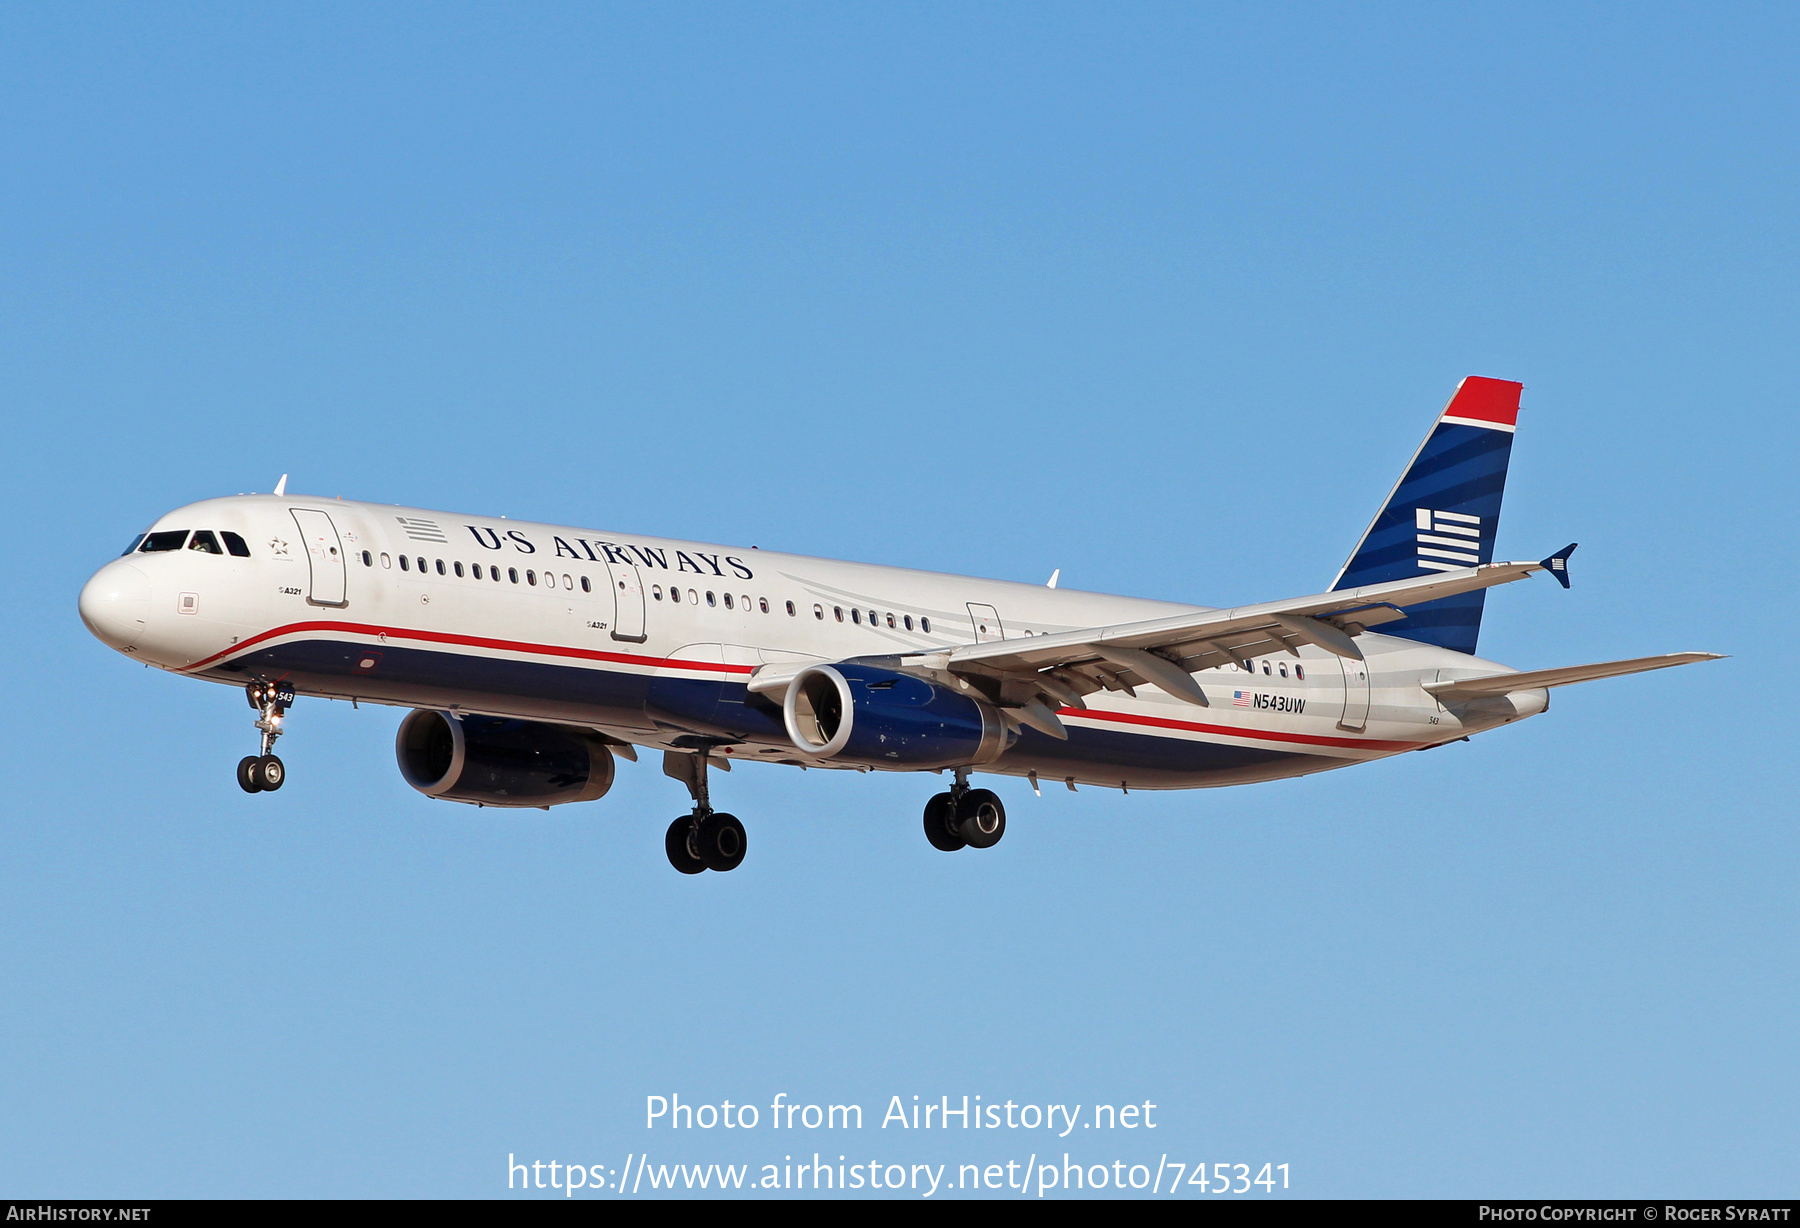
<point x="495" y="761"/>
<point x="862" y="714"/>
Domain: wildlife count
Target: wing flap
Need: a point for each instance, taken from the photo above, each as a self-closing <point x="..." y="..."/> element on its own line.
<point x="1505" y="684"/>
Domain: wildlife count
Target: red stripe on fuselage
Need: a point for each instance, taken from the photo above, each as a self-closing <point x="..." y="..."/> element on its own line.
<point x="1266" y="735"/>
<point x="475" y="641"/>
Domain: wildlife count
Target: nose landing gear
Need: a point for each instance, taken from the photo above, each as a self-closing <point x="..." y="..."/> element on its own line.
<point x="705" y="839"/>
<point x="964" y="817"/>
<point x="265" y="773"/>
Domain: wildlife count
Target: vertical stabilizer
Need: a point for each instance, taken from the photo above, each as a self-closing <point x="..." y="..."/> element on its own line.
<point x="1444" y="512"/>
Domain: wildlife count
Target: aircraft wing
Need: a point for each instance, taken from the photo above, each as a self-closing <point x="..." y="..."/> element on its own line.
<point x="1031" y="677"/>
<point x="1164" y="651"/>
<point x="1504" y="684"/>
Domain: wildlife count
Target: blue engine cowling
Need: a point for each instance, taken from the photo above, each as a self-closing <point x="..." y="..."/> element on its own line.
<point x="863" y="714"/>
<point x="495" y="761"/>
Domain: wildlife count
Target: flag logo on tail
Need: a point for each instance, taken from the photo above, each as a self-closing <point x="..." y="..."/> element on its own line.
<point x="1447" y="541"/>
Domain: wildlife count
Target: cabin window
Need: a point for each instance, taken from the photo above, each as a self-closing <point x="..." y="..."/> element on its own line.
<point x="168" y="539"/>
<point x="1265" y="669"/>
<point x="385" y="560"/>
<point x="838" y="612"/>
<point x="890" y="618"/>
<point x="531" y="577"/>
<point x="235" y="545"/>
<point x="856" y="617"/>
<point x="790" y="609"/>
<point x="873" y="620"/>
<point x="368" y="559"/>
<point x="458" y="569"/>
<point x="513" y="574"/>
<point x="585" y="586"/>
<point x="763" y="604"/>
<point x="475" y="570"/>
<point x="1284" y="669"/>
<point x="568" y="581"/>
<point x="727" y="600"/>
<point x="135" y="543"/>
<point x="1300" y="672"/>
<point x="405" y="564"/>
<point x="925" y="624"/>
<point x="656" y="591"/>
<point x="494" y="573"/>
<point x="440" y="567"/>
<point x="819" y="612"/>
<point x="909" y="622"/>
<point x="675" y="595"/>
<point x="693" y="597"/>
<point x="205" y="542"/>
<point x="710" y="599"/>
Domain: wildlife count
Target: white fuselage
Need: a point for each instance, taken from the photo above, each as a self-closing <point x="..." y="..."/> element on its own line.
<point x="651" y="641"/>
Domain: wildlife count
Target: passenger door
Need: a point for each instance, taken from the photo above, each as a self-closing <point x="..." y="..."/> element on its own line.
<point x="987" y="623"/>
<point x="1356" y="694"/>
<point x="325" y="553"/>
<point x="628" y="602"/>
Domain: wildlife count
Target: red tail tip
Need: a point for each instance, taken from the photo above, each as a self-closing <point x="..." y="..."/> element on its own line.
<point x="1486" y="400"/>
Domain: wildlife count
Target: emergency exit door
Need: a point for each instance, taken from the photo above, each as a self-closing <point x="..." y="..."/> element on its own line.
<point x="325" y="555"/>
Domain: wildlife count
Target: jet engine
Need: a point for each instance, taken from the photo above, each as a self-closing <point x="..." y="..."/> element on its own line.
<point x="495" y="761"/>
<point x="866" y="715"/>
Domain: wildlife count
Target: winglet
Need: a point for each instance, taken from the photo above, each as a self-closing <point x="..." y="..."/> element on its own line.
<point x="281" y="486"/>
<point x="1558" y="564"/>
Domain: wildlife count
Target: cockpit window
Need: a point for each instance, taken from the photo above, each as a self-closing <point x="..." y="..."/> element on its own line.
<point x="135" y="543"/>
<point x="235" y="544"/>
<point x="168" y="539"/>
<point x="205" y="542"/>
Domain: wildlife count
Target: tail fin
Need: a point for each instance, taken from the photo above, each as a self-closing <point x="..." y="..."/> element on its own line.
<point x="1444" y="512"/>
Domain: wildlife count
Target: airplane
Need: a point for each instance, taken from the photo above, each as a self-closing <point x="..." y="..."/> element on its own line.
<point x="534" y="655"/>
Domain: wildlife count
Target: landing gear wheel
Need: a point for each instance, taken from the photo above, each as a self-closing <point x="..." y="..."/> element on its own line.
<point x="722" y="842"/>
<point x="682" y="857"/>
<point x="940" y="824"/>
<point x="269" y="773"/>
<point x="247" y="774"/>
<point x="980" y="818"/>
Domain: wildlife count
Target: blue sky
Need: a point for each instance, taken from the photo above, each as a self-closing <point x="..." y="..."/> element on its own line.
<point x="1160" y="296"/>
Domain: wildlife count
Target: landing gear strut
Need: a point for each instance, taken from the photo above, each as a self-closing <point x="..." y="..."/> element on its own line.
<point x="265" y="773"/>
<point x="964" y="817"/>
<point x="705" y="839"/>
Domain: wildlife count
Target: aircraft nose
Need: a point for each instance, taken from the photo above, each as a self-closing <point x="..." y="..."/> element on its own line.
<point x="115" y="604"/>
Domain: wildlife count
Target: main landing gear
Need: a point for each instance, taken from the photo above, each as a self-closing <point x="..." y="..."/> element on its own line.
<point x="265" y="773"/>
<point x="705" y="839"/>
<point x="964" y="817"/>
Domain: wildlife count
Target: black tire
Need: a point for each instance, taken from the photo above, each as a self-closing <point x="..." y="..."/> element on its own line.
<point x="940" y="825"/>
<point x="270" y="773"/>
<point x="247" y="774"/>
<point x="980" y="818"/>
<point x="675" y="844"/>
<point x="722" y="842"/>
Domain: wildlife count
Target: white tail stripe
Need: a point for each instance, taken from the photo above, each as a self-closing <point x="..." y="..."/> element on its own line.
<point x="1492" y="426"/>
<point x="1459" y="517"/>
<point x="1447" y="541"/>
<point x="1426" y="552"/>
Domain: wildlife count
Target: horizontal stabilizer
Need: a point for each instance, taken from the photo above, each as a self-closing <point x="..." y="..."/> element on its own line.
<point x="1505" y="684"/>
